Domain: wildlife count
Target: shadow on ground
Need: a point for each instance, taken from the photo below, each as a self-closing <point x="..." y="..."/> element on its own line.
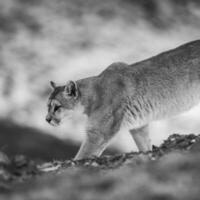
<point x="34" y="144"/>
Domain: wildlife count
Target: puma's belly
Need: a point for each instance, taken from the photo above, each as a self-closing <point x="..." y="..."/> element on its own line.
<point x="162" y="108"/>
<point x="182" y="101"/>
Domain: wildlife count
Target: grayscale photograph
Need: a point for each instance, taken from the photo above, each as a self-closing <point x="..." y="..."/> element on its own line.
<point x="99" y="100"/>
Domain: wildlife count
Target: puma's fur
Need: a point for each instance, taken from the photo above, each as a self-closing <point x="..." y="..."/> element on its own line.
<point x="136" y="94"/>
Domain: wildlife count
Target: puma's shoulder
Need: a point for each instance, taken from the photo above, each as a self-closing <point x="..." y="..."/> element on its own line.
<point x="114" y="67"/>
<point x="105" y="90"/>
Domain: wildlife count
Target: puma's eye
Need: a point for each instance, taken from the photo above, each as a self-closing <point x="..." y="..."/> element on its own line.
<point x="56" y="108"/>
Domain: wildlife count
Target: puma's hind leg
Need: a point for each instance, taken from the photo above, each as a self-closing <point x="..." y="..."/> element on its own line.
<point x="141" y="138"/>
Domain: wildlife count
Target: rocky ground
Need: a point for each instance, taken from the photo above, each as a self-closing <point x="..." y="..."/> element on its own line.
<point x="170" y="171"/>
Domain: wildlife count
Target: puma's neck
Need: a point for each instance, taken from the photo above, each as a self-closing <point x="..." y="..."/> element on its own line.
<point x="86" y="93"/>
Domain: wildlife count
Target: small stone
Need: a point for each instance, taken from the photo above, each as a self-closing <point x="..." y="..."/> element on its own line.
<point x="94" y="164"/>
<point x="87" y="163"/>
<point x="20" y="160"/>
<point x="4" y="159"/>
<point x="4" y="174"/>
<point x="48" y="167"/>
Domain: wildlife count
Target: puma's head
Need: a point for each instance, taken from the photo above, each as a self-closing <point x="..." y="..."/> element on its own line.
<point x="62" y="100"/>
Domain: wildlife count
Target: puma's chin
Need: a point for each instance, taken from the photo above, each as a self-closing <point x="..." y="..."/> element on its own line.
<point x="55" y="122"/>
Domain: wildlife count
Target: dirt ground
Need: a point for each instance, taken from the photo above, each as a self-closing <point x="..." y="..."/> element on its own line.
<point x="170" y="171"/>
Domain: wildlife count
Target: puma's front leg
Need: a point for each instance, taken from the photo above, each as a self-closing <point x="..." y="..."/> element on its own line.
<point x="102" y="128"/>
<point x="94" y="144"/>
<point x="141" y="137"/>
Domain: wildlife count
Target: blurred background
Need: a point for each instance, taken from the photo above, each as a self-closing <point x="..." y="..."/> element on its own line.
<point x="43" y="40"/>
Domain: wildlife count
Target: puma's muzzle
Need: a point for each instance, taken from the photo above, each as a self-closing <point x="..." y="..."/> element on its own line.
<point x="52" y="121"/>
<point x="48" y="119"/>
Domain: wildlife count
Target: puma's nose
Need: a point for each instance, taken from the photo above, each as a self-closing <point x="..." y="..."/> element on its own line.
<point x="48" y="119"/>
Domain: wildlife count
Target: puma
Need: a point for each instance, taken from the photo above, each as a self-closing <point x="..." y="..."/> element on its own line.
<point x="133" y="95"/>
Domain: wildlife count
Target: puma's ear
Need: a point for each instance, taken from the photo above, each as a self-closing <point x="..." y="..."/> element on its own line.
<point x="53" y="84"/>
<point x="71" y="89"/>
